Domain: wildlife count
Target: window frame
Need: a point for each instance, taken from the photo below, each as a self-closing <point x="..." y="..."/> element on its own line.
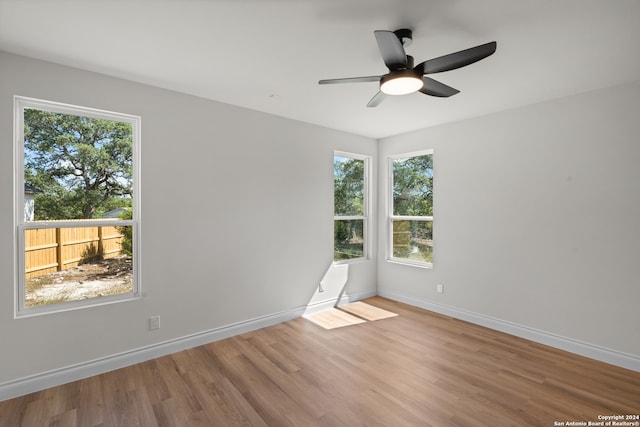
<point x="366" y="246"/>
<point x="391" y="217"/>
<point x="20" y="225"/>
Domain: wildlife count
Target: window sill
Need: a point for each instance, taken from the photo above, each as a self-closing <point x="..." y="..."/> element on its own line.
<point x="424" y="265"/>
<point x="75" y="305"/>
<point x="351" y="261"/>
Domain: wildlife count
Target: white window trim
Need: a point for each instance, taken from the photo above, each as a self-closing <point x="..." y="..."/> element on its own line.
<point x="19" y="104"/>
<point x="366" y="250"/>
<point x="391" y="217"/>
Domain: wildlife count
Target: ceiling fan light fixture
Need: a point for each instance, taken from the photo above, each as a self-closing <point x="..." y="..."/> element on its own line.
<point x="400" y="82"/>
<point x="404" y="78"/>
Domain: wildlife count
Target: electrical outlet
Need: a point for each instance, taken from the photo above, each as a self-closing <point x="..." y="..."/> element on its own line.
<point x="321" y="287"/>
<point x="440" y="288"/>
<point x="154" y="323"/>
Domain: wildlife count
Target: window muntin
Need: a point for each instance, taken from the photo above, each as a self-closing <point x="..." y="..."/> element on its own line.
<point x="351" y="208"/>
<point x="76" y="206"/>
<point x="411" y="208"/>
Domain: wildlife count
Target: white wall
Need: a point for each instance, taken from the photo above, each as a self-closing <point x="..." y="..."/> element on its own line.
<point x="259" y="246"/>
<point x="536" y="218"/>
<point x="536" y="214"/>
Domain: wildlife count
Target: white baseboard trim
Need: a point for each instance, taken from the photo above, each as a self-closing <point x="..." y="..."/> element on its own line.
<point x="333" y="302"/>
<point x="613" y="357"/>
<point x="325" y="305"/>
<point x="357" y="296"/>
<point x="22" y="386"/>
<point x="33" y="383"/>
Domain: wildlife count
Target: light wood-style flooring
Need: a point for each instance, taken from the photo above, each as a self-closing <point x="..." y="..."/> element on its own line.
<point x="415" y="369"/>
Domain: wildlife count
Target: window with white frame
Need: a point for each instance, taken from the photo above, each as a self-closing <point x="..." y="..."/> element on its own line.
<point x="411" y="208"/>
<point x="350" y="195"/>
<point x="76" y="212"/>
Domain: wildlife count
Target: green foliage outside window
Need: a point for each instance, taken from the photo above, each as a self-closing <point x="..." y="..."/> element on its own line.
<point x="413" y="186"/>
<point x="349" y="200"/>
<point x="77" y="171"/>
<point x="412" y="239"/>
<point x="81" y="166"/>
<point x="127" y="233"/>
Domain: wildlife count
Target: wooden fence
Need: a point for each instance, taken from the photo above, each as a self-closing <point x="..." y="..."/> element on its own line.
<point x="401" y="234"/>
<point x="48" y="250"/>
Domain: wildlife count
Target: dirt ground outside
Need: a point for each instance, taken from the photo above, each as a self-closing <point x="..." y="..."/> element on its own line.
<point x="95" y="279"/>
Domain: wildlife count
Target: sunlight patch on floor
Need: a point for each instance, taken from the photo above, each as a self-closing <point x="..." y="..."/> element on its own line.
<point x="349" y="314"/>
<point x="333" y="318"/>
<point x="366" y="311"/>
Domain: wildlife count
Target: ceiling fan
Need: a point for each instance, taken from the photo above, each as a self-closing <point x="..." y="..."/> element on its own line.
<point x="403" y="77"/>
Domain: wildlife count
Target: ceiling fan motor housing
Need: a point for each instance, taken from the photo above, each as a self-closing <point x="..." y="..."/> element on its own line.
<point x="405" y="36"/>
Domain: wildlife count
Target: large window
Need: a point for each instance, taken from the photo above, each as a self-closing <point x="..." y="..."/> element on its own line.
<point x="76" y="206"/>
<point x="350" y="174"/>
<point x="411" y="208"/>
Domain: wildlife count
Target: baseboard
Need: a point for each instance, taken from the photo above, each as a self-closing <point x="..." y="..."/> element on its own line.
<point x="357" y="296"/>
<point x="22" y="386"/>
<point x="325" y="305"/>
<point x="592" y="351"/>
<point x="332" y="302"/>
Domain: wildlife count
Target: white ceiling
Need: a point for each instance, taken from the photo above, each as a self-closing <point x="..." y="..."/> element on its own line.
<point x="268" y="55"/>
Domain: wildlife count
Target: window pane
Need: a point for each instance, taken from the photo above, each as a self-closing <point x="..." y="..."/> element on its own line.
<point x="348" y="175"/>
<point x="76" y="167"/>
<point x="348" y="239"/>
<point x="413" y="240"/>
<point x="413" y="186"/>
<point x="77" y="263"/>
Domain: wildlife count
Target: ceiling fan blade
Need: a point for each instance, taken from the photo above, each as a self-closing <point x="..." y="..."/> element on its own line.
<point x="435" y="88"/>
<point x="391" y="49"/>
<point x="351" y="80"/>
<point x="457" y="59"/>
<point x="376" y="100"/>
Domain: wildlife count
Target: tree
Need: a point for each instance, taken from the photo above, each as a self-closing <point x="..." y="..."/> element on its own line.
<point x="413" y="197"/>
<point x="413" y="186"/>
<point x="82" y="165"/>
<point x="127" y="233"/>
<point x="348" y="186"/>
<point x="348" y="202"/>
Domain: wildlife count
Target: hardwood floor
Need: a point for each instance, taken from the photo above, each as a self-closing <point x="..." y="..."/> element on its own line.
<point x="415" y="369"/>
